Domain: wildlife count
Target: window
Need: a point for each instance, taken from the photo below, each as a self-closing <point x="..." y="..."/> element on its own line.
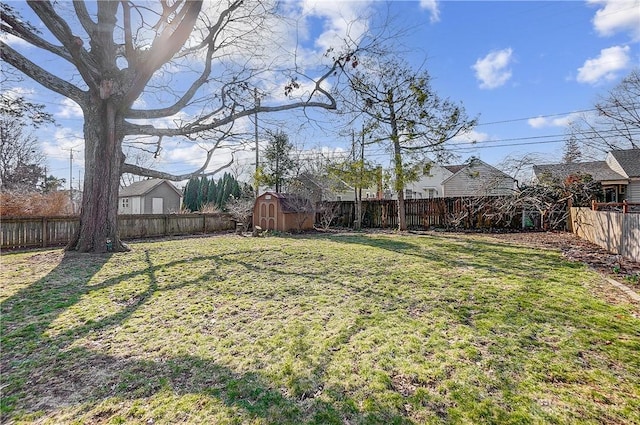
<point x="125" y="203"/>
<point x="431" y="192"/>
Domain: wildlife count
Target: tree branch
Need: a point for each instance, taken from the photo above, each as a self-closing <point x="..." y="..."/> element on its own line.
<point x="164" y="47"/>
<point x="83" y="16"/>
<point x="73" y="44"/>
<point x="38" y="74"/>
<point x="148" y="172"/>
<point x="17" y="28"/>
<point x="204" y="75"/>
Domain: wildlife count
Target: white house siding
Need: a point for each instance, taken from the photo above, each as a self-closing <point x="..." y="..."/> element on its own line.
<point x="633" y="191"/>
<point x="124" y="206"/>
<point x="429" y="185"/>
<point x="614" y="165"/>
<point x="478" y="180"/>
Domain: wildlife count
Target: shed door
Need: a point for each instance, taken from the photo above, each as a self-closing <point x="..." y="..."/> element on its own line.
<point x="135" y="205"/>
<point x="268" y="215"/>
<point x="156" y="206"/>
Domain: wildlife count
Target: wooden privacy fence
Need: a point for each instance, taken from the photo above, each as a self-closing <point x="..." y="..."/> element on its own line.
<point x="28" y="232"/>
<point x="614" y="231"/>
<point x="469" y="213"/>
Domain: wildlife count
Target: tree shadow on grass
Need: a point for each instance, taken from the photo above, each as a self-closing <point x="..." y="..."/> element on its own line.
<point x="45" y="375"/>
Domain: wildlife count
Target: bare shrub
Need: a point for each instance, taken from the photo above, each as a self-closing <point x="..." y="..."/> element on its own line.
<point x="241" y="209"/>
<point x="34" y="204"/>
<point x="328" y="212"/>
<point x="210" y="208"/>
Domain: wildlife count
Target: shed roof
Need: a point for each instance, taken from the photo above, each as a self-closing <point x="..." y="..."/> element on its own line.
<point x="143" y="187"/>
<point x="599" y="170"/>
<point x="291" y="203"/>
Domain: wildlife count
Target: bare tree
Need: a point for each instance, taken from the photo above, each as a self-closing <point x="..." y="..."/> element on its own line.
<point x="572" y="151"/>
<point x="408" y="117"/>
<point x="299" y="202"/>
<point x="121" y="57"/>
<point x="328" y="212"/>
<point x="616" y="124"/>
<point x="22" y="163"/>
<point x="241" y="209"/>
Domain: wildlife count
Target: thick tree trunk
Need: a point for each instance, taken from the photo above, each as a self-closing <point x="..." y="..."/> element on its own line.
<point x="399" y="186"/>
<point x="402" y="221"/>
<point x="98" y="230"/>
<point x="397" y="161"/>
<point x="357" y="220"/>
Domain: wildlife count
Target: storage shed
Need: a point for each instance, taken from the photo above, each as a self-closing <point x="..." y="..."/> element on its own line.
<point x="283" y="212"/>
<point x="153" y="196"/>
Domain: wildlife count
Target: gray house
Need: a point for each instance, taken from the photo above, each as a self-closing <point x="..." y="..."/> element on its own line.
<point x="153" y="196"/>
<point x="619" y="174"/>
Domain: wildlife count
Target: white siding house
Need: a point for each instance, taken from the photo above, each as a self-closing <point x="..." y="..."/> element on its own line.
<point x="477" y="178"/>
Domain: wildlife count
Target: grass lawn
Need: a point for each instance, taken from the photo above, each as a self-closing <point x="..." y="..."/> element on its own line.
<point x="338" y="329"/>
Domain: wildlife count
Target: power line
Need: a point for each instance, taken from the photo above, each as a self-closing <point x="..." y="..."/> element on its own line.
<point x="537" y="116"/>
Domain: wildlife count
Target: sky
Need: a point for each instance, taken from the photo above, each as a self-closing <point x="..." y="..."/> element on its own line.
<point x="523" y="68"/>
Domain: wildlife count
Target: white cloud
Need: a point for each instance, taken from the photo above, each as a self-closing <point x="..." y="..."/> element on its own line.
<point x="538" y="122"/>
<point x="472" y="136"/>
<point x="14" y="41"/>
<point x="431" y="6"/>
<point x="493" y="70"/>
<point x="617" y="16"/>
<point x="605" y="66"/>
<point x="543" y="122"/>
<point x="69" y="109"/>
<point x="342" y="20"/>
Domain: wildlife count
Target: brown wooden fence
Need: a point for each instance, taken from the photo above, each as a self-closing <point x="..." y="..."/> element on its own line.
<point x="468" y="213"/>
<point x="25" y="232"/>
<point x="614" y="231"/>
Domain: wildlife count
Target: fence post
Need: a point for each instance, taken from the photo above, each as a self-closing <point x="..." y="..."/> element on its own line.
<point x="44" y="232"/>
<point x="594" y="207"/>
<point x="625" y="206"/>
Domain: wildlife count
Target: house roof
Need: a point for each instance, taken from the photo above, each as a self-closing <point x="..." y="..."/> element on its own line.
<point x="629" y="160"/>
<point x="143" y="187"/>
<point x="599" y="170"/>
<point x="455" y="169"/>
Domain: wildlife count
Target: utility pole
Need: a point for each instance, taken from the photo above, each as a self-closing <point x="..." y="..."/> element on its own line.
<point x="73" y="209"/>
<point x="255" y="127"/>
<point x="71" y="179"/>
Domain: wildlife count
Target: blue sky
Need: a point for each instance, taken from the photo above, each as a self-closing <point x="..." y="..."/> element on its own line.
<point x="522" y="67"/>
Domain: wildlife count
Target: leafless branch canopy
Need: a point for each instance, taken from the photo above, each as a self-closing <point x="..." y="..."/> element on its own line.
<point x="173" y="68"/>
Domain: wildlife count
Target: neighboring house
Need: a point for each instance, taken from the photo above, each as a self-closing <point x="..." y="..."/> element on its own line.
<point x="283" y="212"/>
<point x="327" y="189"/>
<point x="477" y="178"/>
<point x="152" y="196"/>
<point x="619" y="174"/>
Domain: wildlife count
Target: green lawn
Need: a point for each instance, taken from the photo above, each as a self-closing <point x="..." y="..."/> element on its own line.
<point x="341" y="329"/>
